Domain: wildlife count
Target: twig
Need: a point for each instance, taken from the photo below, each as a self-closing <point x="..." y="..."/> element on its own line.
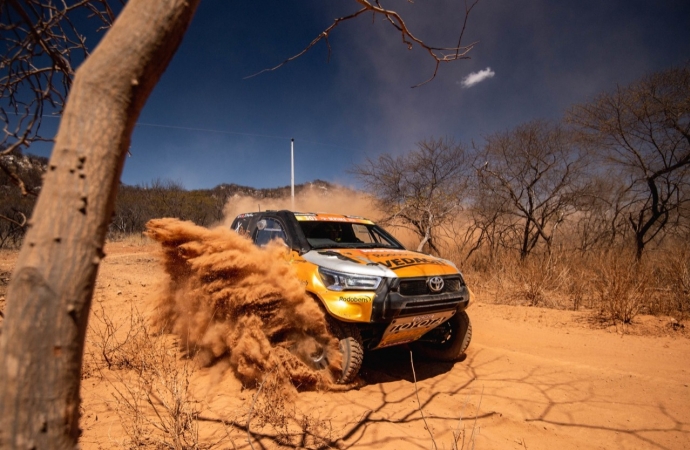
<point x="324" y="35"/>
<point x="457" y="429"/>
<point x="251" y="410"/>
<point x="19" y="224"/>
<point x="419" y="403"/>
<point x="474" y="426"/>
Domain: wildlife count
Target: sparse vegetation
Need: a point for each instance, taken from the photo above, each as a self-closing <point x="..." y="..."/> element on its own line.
<point x="151" y="381"/>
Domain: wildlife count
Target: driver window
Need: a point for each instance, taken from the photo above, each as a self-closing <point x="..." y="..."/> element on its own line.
<point x="267" y="230"/>
<point x="362" y="233"/>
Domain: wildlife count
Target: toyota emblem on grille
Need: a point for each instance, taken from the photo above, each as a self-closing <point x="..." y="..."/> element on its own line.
<point x="435" y="284"/>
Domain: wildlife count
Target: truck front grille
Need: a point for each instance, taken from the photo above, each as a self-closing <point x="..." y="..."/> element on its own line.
<point x="416" y="307"/>
<point x="418" y="286"/>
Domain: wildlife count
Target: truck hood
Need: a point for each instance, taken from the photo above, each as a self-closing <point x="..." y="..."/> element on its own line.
<point x="390" y="263"/>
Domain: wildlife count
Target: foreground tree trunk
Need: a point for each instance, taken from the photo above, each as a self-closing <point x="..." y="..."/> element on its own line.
<point x="49" y="297"/>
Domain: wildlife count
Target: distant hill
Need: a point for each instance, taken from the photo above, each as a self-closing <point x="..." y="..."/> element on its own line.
<point x="279" y="192"/>
<point x="135" y="205"/>
<point x="29" y="168"/>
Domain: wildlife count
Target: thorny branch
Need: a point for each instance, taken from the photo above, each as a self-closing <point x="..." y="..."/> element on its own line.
<point x="438" y="54"/>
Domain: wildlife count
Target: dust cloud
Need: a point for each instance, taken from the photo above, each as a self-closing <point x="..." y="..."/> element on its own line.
<point x="339" y="200"/>
<point x="235" y="304"/>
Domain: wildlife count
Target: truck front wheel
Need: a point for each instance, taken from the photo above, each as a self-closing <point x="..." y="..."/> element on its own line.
<point x="351" y="348"/>
<point x="448" y="341"/>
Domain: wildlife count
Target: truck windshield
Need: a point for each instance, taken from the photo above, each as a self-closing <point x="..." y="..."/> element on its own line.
<point x="346" y="235"/>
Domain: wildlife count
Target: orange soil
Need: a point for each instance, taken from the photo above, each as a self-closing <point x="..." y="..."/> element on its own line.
<point x="533" y="379"/>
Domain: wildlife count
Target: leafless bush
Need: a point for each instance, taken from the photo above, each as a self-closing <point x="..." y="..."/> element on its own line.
<point x="117" y="345"/>
<point x="150" y="379"/>
<point x="539" y="280"/>
<point x="621" y="286"/>
<point x="156" y="407"/>
<point x="680" y="283"/>
<point x="152" y="383"/>
<point x="670" y="274"/>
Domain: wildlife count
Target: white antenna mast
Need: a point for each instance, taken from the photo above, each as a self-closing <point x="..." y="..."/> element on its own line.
<point x="292" y="172"/>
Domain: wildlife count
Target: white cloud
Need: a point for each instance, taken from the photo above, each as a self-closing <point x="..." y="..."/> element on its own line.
<point x="477" y="77"/>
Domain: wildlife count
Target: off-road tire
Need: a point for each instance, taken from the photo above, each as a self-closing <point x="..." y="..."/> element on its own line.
<point x="454" y="347"/>
<point x="351" y="348"/>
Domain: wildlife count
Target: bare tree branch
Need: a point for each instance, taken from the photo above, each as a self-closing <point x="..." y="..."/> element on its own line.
<point x="438" y="54"/>
<point x="19" y="224"/>
<point x="40" y="48"/>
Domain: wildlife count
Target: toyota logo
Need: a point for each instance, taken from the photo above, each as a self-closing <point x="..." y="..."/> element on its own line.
<point x="435" y="284"/>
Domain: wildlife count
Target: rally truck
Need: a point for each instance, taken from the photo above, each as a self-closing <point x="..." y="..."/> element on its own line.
<point x="375" y="293"/>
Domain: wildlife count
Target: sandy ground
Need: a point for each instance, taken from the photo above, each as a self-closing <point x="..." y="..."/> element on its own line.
<point x="532" y="379"/>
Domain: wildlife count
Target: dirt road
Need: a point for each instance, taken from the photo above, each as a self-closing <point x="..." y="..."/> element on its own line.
<point x="540" y="386"/>
<point x="533" y="379"/>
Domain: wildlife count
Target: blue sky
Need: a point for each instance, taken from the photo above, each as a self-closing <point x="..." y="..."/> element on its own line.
<point x="205" y="124"/>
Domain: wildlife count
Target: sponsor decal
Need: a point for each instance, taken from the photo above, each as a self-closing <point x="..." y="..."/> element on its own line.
<point x="305" y="217"/>
<point x="355" y="299"/>
<point x="245" y="215"/>
<point x="399" y="263"/>
<point x="407" y="329"/>
<point x="428" y="322"/>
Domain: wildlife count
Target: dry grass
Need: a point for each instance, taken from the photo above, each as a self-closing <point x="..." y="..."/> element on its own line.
<point x="611" y="284"/>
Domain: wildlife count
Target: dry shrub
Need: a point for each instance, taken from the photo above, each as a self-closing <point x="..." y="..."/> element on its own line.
<point x="670" y="272"/>
<point x="155" y="406"/>
<point x="275" y="416"/>
<point x="231" y="301"/>
<point x="621" y="285"/>
<point x="150" y="380"/>
<point x="135" y="239"/>
<point x="679" y="274"/>
<point x="153" y="383"/>
<point x="538" y="280"/>
<point x="609" y="281"/>
<point x="116" y="345"/>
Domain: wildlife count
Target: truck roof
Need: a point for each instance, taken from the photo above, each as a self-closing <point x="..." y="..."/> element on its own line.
<point x="329" y="217"/>
<point x="315" y="216"/>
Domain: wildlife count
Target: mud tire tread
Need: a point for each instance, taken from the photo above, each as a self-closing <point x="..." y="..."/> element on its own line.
<point x="351" y="348"/>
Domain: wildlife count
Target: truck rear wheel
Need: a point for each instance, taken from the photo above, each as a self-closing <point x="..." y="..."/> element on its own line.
<point x="453" y="338"/>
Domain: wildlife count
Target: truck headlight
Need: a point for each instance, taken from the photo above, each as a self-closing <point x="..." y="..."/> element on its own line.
<point x="340" y="281"/>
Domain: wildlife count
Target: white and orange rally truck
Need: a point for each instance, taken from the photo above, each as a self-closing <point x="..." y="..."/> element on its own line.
<point x="375" y="292"/>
